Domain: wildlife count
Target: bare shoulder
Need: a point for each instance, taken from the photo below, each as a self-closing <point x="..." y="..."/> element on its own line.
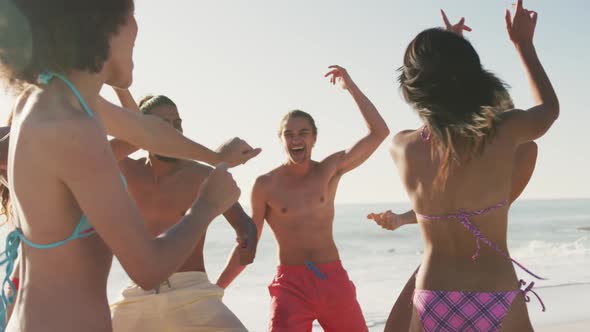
<point x="333" y="160"/>
<point x="72" y="143"/>
<point x="267" y="178"/>
<point x="264" y="182"/>
<point x="511" y="115"/>
<point x="403" y="142"/>
<point x="404" y="137"/>
<point x="509" y="120"/>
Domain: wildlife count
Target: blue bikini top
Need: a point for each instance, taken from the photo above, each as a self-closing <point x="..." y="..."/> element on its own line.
<point x="14" y="238"/>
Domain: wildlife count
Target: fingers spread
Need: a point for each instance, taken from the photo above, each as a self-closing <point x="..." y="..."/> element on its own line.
<point x="445" y="18"/>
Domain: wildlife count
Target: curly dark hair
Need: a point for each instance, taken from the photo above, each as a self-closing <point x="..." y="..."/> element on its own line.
<point x="443" y="79"/>
<point x="56" y="35"/>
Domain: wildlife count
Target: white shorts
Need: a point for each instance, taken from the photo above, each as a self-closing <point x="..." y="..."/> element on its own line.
<point x="186" y="302"/>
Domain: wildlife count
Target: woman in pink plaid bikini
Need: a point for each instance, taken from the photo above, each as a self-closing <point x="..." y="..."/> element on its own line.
<point x="457" y="170"/>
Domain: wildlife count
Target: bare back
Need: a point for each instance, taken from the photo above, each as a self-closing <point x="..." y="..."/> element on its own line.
<point x="480" y="183"/>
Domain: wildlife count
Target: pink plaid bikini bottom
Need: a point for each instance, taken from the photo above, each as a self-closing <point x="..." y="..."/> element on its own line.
<point x="449" y="311"/>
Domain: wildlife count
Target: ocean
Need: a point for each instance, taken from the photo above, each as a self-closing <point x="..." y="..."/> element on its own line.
<point x="545" y="236"/>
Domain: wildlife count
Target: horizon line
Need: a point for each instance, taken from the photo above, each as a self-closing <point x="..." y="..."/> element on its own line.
<point x="407" y="202"/>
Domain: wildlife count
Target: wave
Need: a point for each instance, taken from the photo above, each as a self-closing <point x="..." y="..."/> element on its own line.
<point x="567" y="284"/>
<point x="528" y="217"/>
<point x="537" y="248"/>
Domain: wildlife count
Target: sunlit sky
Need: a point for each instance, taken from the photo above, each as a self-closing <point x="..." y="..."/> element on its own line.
<point x="235" y="67"/>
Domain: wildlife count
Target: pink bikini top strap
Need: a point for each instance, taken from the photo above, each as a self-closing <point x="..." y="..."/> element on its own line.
<point x="464" y="218"/>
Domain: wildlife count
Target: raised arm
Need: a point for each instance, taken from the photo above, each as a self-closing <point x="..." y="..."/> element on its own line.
<point x="122" y="149"/>
<point x="258" y="202"/>
<point x="151" y="134"/>
<point x="87" y="167"/>
<point x="531" y="124"/>
<point x="377" y="128"/>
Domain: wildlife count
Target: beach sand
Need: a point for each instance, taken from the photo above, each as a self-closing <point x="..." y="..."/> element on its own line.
<point x="566" y="327"/>
<point x="567" y="309"/>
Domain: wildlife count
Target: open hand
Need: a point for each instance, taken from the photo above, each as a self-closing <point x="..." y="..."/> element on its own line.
<point x="339" y="74"/>
<point x="387" y="220"/>
<point x="521" y="28"/>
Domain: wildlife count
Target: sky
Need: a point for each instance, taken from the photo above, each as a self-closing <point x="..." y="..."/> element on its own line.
<point x="234" y="68"/>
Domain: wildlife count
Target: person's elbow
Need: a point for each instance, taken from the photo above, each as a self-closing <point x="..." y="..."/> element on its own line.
<point x="551" y="114"/>
<point x="145" y="272"/>
<point x="145" y="279"/>
<point x="554" y="107"/>
<point x="384" y="133"/>
<point x="380" y="133"/>
<point x="550" y="106"/>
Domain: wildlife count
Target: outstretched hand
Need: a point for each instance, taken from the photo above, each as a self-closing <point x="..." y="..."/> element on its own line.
<point x="236" y="152"/>
<point x="339" y="74"/>
<point x="457" y="28"/>
<point x="387" y="220"/>
<point x="521" y="28"/>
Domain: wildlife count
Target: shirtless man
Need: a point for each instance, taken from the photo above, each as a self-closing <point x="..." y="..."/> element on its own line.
<point x="164" y="189"/>
<point x="297" y="201"/>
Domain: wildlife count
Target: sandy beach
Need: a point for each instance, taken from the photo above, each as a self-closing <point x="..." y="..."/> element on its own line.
<point x="577" y="326"/>
<point x="567" y="309"/>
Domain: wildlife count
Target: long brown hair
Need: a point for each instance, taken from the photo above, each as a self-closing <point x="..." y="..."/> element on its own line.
<point x="459" y="101"/>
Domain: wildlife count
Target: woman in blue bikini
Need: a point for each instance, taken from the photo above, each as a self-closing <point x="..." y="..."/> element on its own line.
<point x="72" y="212"/>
